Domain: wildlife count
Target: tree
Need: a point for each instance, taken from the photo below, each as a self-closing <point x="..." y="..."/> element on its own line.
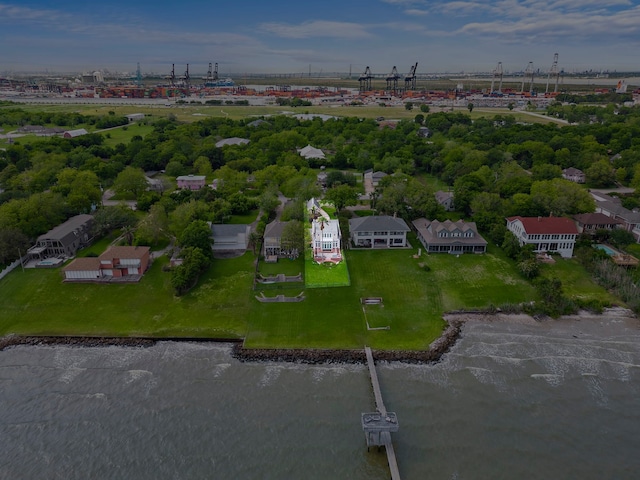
<point x="154" y="227"/>
<point x="561" y="197"/>
<point x="408" y="106"/>
<point x="13" y="243"/>
<point x="424" y="108"/>
<point x="511" y="245"/>
<point x="185" y="276"/>
<point x="110" y="218"/>
<point x="419" y="119"/>
<point x="600" y="174"/>
<point x="292" y="238"/>
<point x="131" y="182"/>
<point x="470" y="107"/>
<point x="341" y="196"/>
<point x="198" y="235"/>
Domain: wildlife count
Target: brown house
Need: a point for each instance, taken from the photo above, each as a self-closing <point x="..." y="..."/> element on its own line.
<point x="116" y="264"/>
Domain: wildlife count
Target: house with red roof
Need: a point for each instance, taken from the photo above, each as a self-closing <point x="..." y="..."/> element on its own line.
<point x="547" y="234"/>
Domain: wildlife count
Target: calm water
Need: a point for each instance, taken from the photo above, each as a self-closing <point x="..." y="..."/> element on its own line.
<point x="553" y="401"/>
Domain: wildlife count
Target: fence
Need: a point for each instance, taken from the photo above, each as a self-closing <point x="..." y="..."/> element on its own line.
<point x="9" y="269"/>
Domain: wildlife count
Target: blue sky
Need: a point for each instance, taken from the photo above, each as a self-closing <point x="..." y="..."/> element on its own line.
<point x="285" y="36"/>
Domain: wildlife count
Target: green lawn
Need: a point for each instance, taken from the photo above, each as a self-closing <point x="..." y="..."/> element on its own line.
<point x="38" y="302"/>
<point x="223" y="304"/>
<point x="576" y="281"/>
<point x="244" y="219"/>
<point x="118" y="135"/>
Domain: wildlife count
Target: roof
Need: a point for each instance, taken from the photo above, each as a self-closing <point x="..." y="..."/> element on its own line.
<point x="535" y="225"/>
<point x="232" y="141"/>
<point x="227" y="230"/>
<point x="378" y="223"/>
<point x="596" y="219"/>
<point x="124" y="252"/>
<point x="70" y="226"/>
<point x="442" y="196"/>
<point x="572" y="171"/>
<point x="311" y="152"/>
<point x="274" y="229"/>
<point x="200" y="178"/>
<point x="76" y="133"/>
<point x="429" y="230"/>
<point x="83" y="264"/>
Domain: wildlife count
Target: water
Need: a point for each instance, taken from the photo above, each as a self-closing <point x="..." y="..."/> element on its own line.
<point x="557" y="400"/>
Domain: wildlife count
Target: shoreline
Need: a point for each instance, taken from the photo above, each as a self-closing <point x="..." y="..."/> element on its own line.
<point x="433" y="354"/>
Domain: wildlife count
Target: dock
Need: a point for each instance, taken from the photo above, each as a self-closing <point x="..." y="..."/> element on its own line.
<point x="378" y="426"/>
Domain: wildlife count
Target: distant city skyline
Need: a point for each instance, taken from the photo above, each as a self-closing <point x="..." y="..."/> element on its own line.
<point x="331" y="36"/>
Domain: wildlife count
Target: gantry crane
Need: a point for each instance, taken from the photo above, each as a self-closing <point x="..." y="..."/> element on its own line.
<point x="497" y="73"/>
<point x="528" y="73"/>
<point x="186" y="79"/>
<point x="392" y="80"/>
<point x="172" y="76"/>
<point x="365" y="80"/>
<point x="553" y="72"/>
<point x="410" y="79"/>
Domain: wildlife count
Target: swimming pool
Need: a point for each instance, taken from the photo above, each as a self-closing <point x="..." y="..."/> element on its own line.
<point x="608" y="250"/>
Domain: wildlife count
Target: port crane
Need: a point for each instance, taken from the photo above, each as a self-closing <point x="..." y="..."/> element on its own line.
<point x="528" y="73"/>
<point x="392" y="80"/>
<point x="186" y="78"/>
<point x="410" y="78"/>
<point x="212" y="74"/>
<point x="497" y="73"/>
<point x="172" y="76"/>
<point x="365" y="80"/>
<point x="553" y="72"/>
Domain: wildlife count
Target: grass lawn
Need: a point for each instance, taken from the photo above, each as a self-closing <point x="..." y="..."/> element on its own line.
<point x="576" y="281"/>
<point x="223" y="304"/>
<point x="114" y="136"/>
<point x="325" y="275"/>
<point x="38" y="302"/>
<point x="283" y="265"/>
<point x="244" y="219"/>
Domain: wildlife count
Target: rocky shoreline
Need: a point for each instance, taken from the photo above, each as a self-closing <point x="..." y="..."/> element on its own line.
<point x="306" y="356"/>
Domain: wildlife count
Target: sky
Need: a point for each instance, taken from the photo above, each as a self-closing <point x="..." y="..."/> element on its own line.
<point x="322" y="36"/>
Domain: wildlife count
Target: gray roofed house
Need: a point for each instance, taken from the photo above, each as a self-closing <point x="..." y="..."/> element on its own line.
<point x="273" y="248"/>
<point x="591" y="222"/>
<point x="232" y="141"/>
<point x="311" y="152"/>
<point x="449" y="237"/>
<point x="574" y="175"/>
<point x="230" y="237"/>
<point x="613" y="209"/>
<point x="381" y="231"/>
<point x="445" y="199"/>
<point x="65" y="239"/>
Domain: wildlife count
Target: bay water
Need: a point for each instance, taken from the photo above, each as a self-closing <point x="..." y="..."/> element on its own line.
<point x="552" y="400"/>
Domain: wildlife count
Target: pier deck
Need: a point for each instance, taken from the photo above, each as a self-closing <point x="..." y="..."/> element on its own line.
<point x="385" y="436"/>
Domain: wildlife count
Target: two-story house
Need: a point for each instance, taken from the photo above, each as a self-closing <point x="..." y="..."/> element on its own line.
<point x="124" y="263"/>
<point x="191" y="182"/>
<point x="380" y="231"/>
<point x="547" y="234"/>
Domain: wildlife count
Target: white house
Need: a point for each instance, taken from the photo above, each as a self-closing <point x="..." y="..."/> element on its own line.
<point x="325" y="234"/>
<point x="311" y="152"/>
<point x="547" y="234"/>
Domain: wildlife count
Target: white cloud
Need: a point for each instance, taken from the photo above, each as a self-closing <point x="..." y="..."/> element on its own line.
<point x="416" y="12"/>
<point x="318" y="28"/>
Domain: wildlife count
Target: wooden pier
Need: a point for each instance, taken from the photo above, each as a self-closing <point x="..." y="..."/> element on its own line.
<point x="378" y="426"/>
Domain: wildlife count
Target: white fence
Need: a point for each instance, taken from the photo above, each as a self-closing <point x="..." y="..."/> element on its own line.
<point x="10" y="268"/>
